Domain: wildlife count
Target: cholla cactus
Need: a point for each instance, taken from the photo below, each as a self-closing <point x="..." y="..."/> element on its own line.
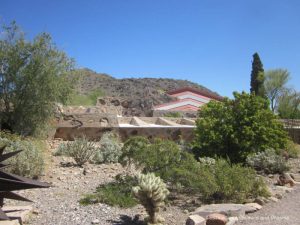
<point x="151" y="192"/>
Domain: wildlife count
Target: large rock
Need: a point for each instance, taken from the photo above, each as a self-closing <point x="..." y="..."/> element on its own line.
<point x="253" y="207"/>
<point x="232" y="220"/>
<point x="216" y="219"/>
<point x="226" y="209"/>
<point x="195" y="220"/>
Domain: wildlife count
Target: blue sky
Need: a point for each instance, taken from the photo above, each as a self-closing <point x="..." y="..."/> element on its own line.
<point x="210" y="42"/>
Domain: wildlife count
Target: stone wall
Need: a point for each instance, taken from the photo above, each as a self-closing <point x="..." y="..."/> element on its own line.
<point x="95" y="133"/>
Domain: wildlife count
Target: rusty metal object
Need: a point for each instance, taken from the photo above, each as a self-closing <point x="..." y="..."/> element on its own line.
<point x="11" y="182"/>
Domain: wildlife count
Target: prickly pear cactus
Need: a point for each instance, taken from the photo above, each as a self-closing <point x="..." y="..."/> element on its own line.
<point x="151" y="191"/>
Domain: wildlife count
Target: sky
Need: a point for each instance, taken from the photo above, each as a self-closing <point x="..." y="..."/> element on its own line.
<point x="210" y="42"/>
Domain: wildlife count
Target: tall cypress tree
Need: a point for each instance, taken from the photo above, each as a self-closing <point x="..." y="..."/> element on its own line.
<point x="257" y="77"/>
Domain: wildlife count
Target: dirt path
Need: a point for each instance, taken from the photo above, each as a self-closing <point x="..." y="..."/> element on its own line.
<point x="284" y="212"/>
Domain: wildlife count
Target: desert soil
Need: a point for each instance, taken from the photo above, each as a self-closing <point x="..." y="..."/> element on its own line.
<point x="59" y="204"/>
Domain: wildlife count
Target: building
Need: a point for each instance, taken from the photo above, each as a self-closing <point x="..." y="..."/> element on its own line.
<point x="188" y="100"/>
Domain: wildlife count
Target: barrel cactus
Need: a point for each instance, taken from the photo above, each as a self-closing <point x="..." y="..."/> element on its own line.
<point x="151" y="192"/>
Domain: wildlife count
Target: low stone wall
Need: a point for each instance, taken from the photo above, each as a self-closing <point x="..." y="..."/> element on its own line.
<point x="95" y="133"/>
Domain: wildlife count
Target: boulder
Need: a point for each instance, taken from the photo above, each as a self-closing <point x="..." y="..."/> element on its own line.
<point x="226" y="209"/>
<point x="253" y="207"/>
<point x="216" y="219"/>
<point x="284" y="179"/>
<point x="232" y="220"/>
<point x="195" y="220"/>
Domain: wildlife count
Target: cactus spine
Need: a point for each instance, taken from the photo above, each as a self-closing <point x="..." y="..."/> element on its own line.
<point x="151" y="192"/>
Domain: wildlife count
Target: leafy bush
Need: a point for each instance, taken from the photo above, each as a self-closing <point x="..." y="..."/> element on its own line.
<point x="29" y="162"/>
<point x="268" y="161"/>
<point x="236" y="128"/>
<point x="292" y="149"/>
<point x="116" y="193"/>
<point x="215" y="180"/>
<point x="110" y="149"/>
<point x="133" y="151"/>
<point x="36" y="75"/>
<point x="80" y="149"/>
<point x="236" y="183"/>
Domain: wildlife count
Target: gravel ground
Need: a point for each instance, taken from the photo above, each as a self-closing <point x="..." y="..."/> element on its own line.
<point x="284" y="212"/>
<point x="58" y="205"/>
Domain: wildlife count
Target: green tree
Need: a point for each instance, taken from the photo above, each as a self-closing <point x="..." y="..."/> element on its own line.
<point x="289" y="105"/>
<point x="275" y="81"/>
<point x="257" y="76"/>
<point x="33" y="76"/>
<point x="236" y="128"/>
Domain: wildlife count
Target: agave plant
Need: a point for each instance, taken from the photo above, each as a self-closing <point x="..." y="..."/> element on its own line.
<point x="10" y="182"/>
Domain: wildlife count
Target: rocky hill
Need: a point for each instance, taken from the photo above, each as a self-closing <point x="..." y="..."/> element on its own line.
<point x="138" y="95"/>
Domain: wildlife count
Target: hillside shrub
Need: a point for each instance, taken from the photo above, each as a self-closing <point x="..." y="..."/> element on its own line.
<point x="173" y="114"/>
<point x="29" y="162"/>
<point x="236" y="128"/>
<point x="110" y="149"/>
<point x="268" y="161"/>
<point x="81" y="150"/>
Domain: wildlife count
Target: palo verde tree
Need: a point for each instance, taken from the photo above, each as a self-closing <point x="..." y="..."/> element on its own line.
<point x="33" y="76"/>
<point x="289" y="104"/>
<point x="275" y="81"/>
<point x="257" y="77"/>
<point x="236" y="128"/>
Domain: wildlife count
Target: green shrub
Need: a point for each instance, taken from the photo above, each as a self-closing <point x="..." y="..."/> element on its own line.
<point x="268" y="161"/>
<point x="236" y="183"/>
<point x="133" y="151"/>
<point x="89" y="99"/>
<point x="80" y="149"/>
<point x="29" y="162"/>
<point x="292" y="149"/>
<point x="116" y="193"/>
<point x="236" y="128"/>
<point x="215" y="180"/>
<point x="110" y="149"/>
<point x="173" y="114"/>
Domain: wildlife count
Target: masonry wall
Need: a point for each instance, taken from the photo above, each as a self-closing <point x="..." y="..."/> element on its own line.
<point x="95" y="133"/>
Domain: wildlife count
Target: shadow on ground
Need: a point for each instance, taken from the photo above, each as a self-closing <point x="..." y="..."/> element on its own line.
<point x="127" y="220"/>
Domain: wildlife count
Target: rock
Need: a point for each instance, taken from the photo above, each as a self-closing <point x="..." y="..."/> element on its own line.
<point x="232" y="220"/>
<point x="216" y="219"/>
<point x="284" y="179"/>
<point x="96" y="221"/>
<point x="278" y="195"/>
<point x="273" y="199"/>
<point x="260" y="200"/>
<point x="255" y="206"/>
<point x="284" y="189"/>
<point x="226" y="209"/>
<point x="195" y="220"/>
<point x="186" y="211"/>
